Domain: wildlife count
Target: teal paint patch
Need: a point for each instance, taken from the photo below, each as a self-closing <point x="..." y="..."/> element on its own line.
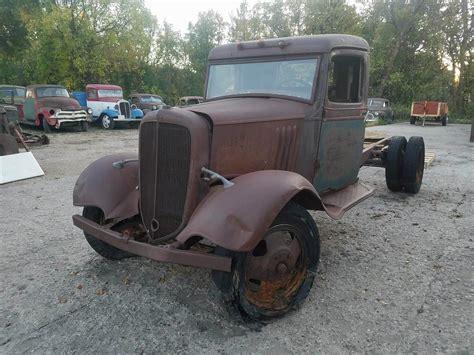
<point x="340" y="152"/>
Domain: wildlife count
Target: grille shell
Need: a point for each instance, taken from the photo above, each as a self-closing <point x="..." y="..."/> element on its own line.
<point x="165" y="158"/>
<point x="124" y="109"/>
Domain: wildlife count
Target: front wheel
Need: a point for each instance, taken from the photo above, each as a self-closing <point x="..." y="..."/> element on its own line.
<point x="96" y="215"/>
<point x="107" y="122"/>
<point x="46" y="127"/>
<point x="277" y="275"/>
<point x="84" y="126"/>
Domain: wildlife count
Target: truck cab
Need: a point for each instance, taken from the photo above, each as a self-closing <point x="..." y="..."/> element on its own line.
<point x="108" y="106"/>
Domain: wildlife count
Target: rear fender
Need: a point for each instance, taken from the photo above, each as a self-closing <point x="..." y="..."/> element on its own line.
<point x="112" y="190"/>
<point x="137" y="113"/>
<point x="236" y="218"/>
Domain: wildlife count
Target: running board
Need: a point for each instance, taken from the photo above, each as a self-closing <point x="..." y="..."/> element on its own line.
<point x="336" y="203"/>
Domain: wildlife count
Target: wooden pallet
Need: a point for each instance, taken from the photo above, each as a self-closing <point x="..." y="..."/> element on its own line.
<point x="430" y="156"/>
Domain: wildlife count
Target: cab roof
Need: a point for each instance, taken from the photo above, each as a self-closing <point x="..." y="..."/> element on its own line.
<point x="103" y="87"/>
<point x="35" y="86"/>
<point x="12" y="86"/>
<point x="140" y="95"/>
<point x="288" y="46"/>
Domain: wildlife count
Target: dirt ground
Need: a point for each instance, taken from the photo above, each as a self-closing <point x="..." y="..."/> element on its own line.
<point x="396" y="273"/>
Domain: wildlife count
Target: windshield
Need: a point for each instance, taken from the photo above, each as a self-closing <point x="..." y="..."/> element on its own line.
<point x="51" y="91"/>
<point x="110" y="93"/>
<point x="151" y="99"/>
<point x="9" y="92"/>
<point x="286" y="77"/>
<point x="375" y="103"/>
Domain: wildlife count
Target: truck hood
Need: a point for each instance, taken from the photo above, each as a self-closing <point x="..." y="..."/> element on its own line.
<point x="63" y="103"/>
<point x="251" y="109"/>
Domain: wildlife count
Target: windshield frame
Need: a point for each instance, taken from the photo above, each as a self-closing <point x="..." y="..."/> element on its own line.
<point x="263" y="59"/>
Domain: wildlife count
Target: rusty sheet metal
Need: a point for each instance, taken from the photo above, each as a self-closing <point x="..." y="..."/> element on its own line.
<point x="164" y="253"/>
<point x="110" y="189"/>
<point x="259" y="146"/>
<point x="237" y="218"/>
<point x="251" y="109"/>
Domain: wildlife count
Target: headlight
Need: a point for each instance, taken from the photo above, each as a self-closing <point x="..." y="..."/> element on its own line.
<point x="89" y="111"/>
<point x="154" y="107"/>
<point x="376" y="114"/>
<point x="116" y="107"/>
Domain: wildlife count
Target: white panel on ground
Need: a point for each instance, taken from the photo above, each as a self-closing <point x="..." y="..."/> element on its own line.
<point x="19" y="166"/>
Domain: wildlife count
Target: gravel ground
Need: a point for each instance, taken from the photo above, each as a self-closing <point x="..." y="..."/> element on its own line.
<point x="396" y="273"/>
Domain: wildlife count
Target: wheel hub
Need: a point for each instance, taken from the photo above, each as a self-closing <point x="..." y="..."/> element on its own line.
<point x="275" y="270"/>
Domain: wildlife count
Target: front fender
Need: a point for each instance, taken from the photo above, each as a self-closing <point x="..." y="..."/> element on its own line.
<point x="237" y="217"/>
<point x="112" y="190"/>
<point x="109" y="112"/>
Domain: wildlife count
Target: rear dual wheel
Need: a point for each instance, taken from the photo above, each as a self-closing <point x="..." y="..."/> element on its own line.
<point x="404" y="164"/>
<point x="277" y="275"/>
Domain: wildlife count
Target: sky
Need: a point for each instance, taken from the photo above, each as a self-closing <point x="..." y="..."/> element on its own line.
<point x="180" y="12"/>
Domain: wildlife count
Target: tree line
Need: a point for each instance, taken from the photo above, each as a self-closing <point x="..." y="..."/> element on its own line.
<point x="420" y="49"/>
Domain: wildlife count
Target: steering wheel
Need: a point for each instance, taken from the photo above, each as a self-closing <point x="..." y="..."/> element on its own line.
<point x="303" y="84"/>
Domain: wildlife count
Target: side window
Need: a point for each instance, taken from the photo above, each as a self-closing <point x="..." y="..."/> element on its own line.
<point x="135" y="100"/>
<point x="29" y="94"/>
<point x="344" y="83"/>
<point x="91" y="93"/>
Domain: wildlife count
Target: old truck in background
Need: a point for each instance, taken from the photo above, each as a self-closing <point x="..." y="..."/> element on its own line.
<point x="108" y="106"/>
<point x="147" y="102"/>
<point x="228" y="184"/>
<point x="429" y="110"/>
<point x="51" y="107"/>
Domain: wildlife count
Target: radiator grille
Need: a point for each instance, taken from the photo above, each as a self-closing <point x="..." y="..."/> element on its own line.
<point x="124" y="107"/>
<point x="165" y="151"/>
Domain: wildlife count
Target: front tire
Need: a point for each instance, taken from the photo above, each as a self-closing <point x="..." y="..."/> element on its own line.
<point x="107" y="122"/>
<point x="277" y="275"/>
<point x="84" y="126"/>
<point x="96" y="215"/>
<point x="45" y="125"/>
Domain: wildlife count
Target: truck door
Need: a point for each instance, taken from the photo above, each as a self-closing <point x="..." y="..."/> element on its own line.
<point x="342" y="128"/>
<point x="29" y="105"/>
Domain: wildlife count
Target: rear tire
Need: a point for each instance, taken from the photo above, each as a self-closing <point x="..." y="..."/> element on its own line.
<point x="96" y="215"/>
<point x="278" y="274"/>
<point x="394" y="163"/>
<point x="414" y="165"/>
